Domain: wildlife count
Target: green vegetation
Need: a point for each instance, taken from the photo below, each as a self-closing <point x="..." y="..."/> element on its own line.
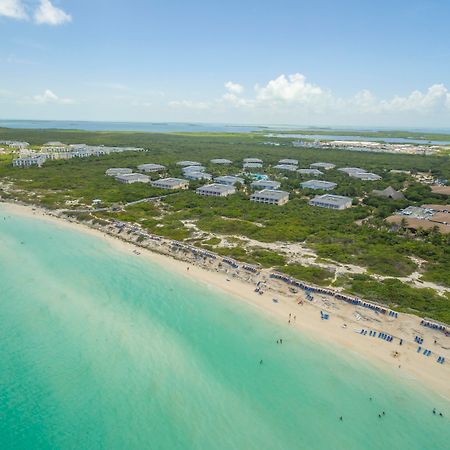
<point x="357" y="236"/>
<point x="316" y="275"/>
<point x="400" y="296"/>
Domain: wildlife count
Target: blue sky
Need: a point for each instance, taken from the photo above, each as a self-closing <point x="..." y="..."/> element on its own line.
<point x="318" y="62"/>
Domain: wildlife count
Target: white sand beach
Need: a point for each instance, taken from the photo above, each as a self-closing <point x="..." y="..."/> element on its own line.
<point x="340" y="331"/>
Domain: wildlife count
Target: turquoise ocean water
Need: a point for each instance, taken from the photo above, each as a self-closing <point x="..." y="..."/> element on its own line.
<point x="105" y="350"/>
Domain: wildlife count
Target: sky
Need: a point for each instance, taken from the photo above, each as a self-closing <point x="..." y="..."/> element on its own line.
<point x="301" y="62"/>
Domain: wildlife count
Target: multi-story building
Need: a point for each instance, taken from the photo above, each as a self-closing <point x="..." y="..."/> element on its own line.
<point x="35" y="160"/>
<point x="322" y="165"/>
<point x="112" y="172"/>
<point x="229" y="180"/>
<point x="171" y="183"/>
<point x="270" y="197"/>
<point x="130" y="178"/>
<point x="318" y="184"/>
<point x="310" y="172"/>
<point x="197" y="176"/>
<point x="151" y="168"/>
<point x="265" y="184"/>
<point x="331" y="201"/>
<point x="216" y="190"/>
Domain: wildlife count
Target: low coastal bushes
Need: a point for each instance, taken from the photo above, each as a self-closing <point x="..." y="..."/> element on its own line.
<point x="316" y="275"/>
<point x="400" y="296"/>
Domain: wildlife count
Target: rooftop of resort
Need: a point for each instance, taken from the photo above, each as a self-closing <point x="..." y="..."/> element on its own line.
<point x="252" y="165"/>
<point x="265" y="184"/>
<point x="229" y="179"/>
<point x="314" y="172"/>
<point x="151" y="167"/>
<point x="322" y="165"/>
<point x="270" y="196"/>
<point x="331" y="201"/>
<point x="318" y="184"/>
<point x="188" y="163"/>
<point x="113" y="171"/>
<point x="253" y="160"/>
<point x="288" y="167"/>
<point x="365" y="176"/>
<point x="221" y="161"/>
<point x="351" y="170"/>
<point x="196" y="176"/>
<point x="194" y="168"/>
<point x="216" y="190"/>
<point x="129" y="178"/>
<point x="171" y="183"/>
<point x="288" y="161"/>
<point x="389" y="192"/>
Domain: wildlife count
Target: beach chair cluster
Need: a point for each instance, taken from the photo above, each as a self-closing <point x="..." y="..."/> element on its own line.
<point x="385" y="337"/>
<point x="418" y="339"/>
<point x="250" y="268"/>
<point x="338" y="295"/>
<point x="425" y="352"/>
<point x="197" y="252"/>
<point x="371" y="333"/>
<point x="324" y="316"/>
<point x="436" y="326"/>
<point x="440" y="360"/>
<point x="231" y="262"/>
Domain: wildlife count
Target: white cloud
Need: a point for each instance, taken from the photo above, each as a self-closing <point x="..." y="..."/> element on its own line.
<point x="234" y="88"/>
<point x="49" y="14"/>
<point x="292" y="97"/>
<point x="436" y="98"/>
<point x="50" y="97"/>
<point x="13" y="9"/>
<point x="289" y="89"/>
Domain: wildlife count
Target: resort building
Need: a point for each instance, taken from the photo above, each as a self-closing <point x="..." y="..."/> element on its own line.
<point x="193" y="169"/>
<point x="322" y="165"/>
<point x="130" y="178"/>
<point x="151" y="168"/>
<point x="331" y="201"/>
<point x="318" y="184"/>
<point x="288" y="167"/>
<point x="253" y="160"/>
<point x="216" y="190"/>
<point x="36" y="160"/>
<point x="310" y="172"/>
<point x="197" y="176"/>
<point x="270" y="197"/>
<point x="171" y="183"/>
<point x="188" y="163"/>
<point x="389" y="192"/>
<point x="293" y="162"/>
<point x="365" y="176"/>
<point x="118" y="171"/>
<point x="229" y="180"/>
<point x="265" y="184"/>
<point x="351" y="170"/>
<point x="252" y="165"/>
<point x="221" y="161"/>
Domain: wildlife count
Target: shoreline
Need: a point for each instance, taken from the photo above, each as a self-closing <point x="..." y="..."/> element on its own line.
<point x="340" y="330"/>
